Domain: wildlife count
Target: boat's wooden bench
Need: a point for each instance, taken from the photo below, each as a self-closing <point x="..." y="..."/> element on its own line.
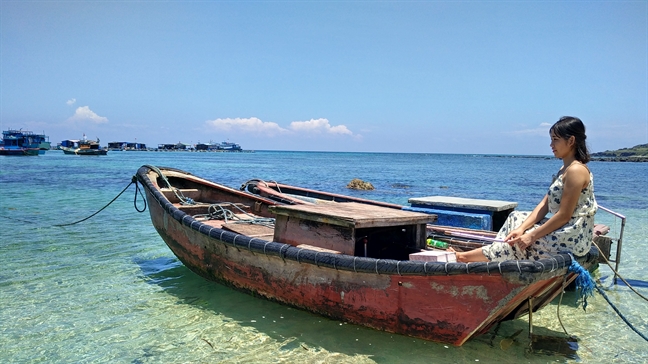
<point x="170" y="194"/>
<point x="464" y="212"/>
<point x="251" y="230"/>
<point x="602" y="241"/>
<point x="351" y="228"/>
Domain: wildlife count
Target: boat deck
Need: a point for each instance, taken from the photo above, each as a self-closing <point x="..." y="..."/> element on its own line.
<point x="240" y="222"/>
<point x="348" y="227"/>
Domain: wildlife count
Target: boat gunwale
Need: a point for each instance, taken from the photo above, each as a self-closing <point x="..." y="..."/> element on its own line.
<point x="527" y="270"/>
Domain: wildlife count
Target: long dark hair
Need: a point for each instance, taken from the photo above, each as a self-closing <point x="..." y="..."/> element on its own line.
<point x="569" y="126"/>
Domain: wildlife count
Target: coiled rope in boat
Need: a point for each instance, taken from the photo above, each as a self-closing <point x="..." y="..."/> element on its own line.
<point x="215" y="211"/>
<point x="219" y="212"/>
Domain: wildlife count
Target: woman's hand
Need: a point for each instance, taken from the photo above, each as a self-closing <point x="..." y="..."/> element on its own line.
<point x="525" y="241"/>
<point x="520" y="238"/>
<point x="513" y="236"/>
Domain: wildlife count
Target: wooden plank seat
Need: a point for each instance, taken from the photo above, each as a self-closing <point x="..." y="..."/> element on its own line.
<point x="251" y="230"/>
<point x="603" y="242"/>
<point x="170" y="194"/>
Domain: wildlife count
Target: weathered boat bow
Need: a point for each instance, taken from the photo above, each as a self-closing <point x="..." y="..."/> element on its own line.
<point x="444" y="302"/>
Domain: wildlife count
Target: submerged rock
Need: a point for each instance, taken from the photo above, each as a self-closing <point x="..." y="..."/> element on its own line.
<point x="400" y="185"/>
<point x="358" y="184"/>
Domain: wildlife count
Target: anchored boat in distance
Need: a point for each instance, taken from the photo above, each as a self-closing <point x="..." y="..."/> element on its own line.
<point x="21" y="142"/>
<point x="82" y="147"/>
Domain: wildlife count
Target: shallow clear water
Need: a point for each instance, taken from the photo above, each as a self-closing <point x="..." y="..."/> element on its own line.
<point x="109" y="289"/>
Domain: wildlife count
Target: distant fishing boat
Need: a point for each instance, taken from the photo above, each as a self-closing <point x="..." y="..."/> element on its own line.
<point x="223" y="146"/>
<point x="229" y="146"/>
<point x="82" y="147"/>
<point x="20" y="142"/>
<point x="128" y="146"/>
<point x="360" y="261"/>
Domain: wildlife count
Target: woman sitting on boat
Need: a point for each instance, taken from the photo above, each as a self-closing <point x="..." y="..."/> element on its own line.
<point x="530" y="235"/>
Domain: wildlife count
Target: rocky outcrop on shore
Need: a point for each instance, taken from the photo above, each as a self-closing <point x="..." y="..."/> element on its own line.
<point x="621" y="159"/>
<point x="638" y="153"/>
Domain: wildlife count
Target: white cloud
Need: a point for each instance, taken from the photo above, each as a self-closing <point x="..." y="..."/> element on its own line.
<point x="319" y="126"/>
<point x="256" y="125"/>
<point x="246" y="124"/>
<point x="84" y="113"/>
<point x="71" y="101"/>
<point x="542" y="130"/>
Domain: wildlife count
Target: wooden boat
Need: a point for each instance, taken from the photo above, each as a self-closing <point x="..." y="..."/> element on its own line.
<point x="345" y="260"/>
<point x="82" y="147"/>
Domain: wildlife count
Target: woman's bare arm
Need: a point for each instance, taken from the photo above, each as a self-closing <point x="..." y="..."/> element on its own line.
<point x="574" y="181"/>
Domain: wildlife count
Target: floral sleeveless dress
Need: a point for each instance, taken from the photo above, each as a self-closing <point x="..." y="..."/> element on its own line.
<point x="575" y="236"/>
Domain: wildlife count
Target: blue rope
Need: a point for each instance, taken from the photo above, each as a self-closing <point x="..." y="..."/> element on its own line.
<point x="586" y="285"/>
<point x="584" y="282"/>
<point x="620" y="314"/>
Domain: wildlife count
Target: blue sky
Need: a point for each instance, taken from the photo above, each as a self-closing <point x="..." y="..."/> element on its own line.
<point x="429" y="77"/>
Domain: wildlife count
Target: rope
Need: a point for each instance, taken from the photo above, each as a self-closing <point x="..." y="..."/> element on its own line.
<point x="600" y="290"/>
<point x="617" y="273"/>
<point x="219" y="212"/>
<point x="137" y="191"/>
<point x="562" y="293"/>
<point x="620" y="314"/>
<point x="584" y="281"/>
<point x="586" y="285"/>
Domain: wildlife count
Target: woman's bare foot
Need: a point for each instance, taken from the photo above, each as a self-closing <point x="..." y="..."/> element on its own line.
<point x="457" y="254"/>
<point x="475" y="255"/>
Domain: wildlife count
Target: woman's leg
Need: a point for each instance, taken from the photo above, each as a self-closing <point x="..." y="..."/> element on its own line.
<point x="475" y="255"/>
<point x="495" y="252"/>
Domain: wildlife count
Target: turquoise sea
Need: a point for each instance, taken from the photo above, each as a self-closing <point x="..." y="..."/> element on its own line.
<point x="109" y="290"/>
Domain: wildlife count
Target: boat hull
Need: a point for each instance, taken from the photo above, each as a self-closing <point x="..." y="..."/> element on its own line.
<point x="77" y="151"/>
<point x="448" y="303"/>
<point x="19" y="151"/>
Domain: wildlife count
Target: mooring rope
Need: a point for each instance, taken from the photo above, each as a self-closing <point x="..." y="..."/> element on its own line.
<point x="562" y="293"/>
<point x="586" y="285"/>
<point x="617" y="273"/>
<point x="600" y="290"/>
<point x="137" y="191"/>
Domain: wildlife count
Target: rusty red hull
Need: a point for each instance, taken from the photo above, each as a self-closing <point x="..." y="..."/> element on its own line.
<point x="444" y="308"/>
